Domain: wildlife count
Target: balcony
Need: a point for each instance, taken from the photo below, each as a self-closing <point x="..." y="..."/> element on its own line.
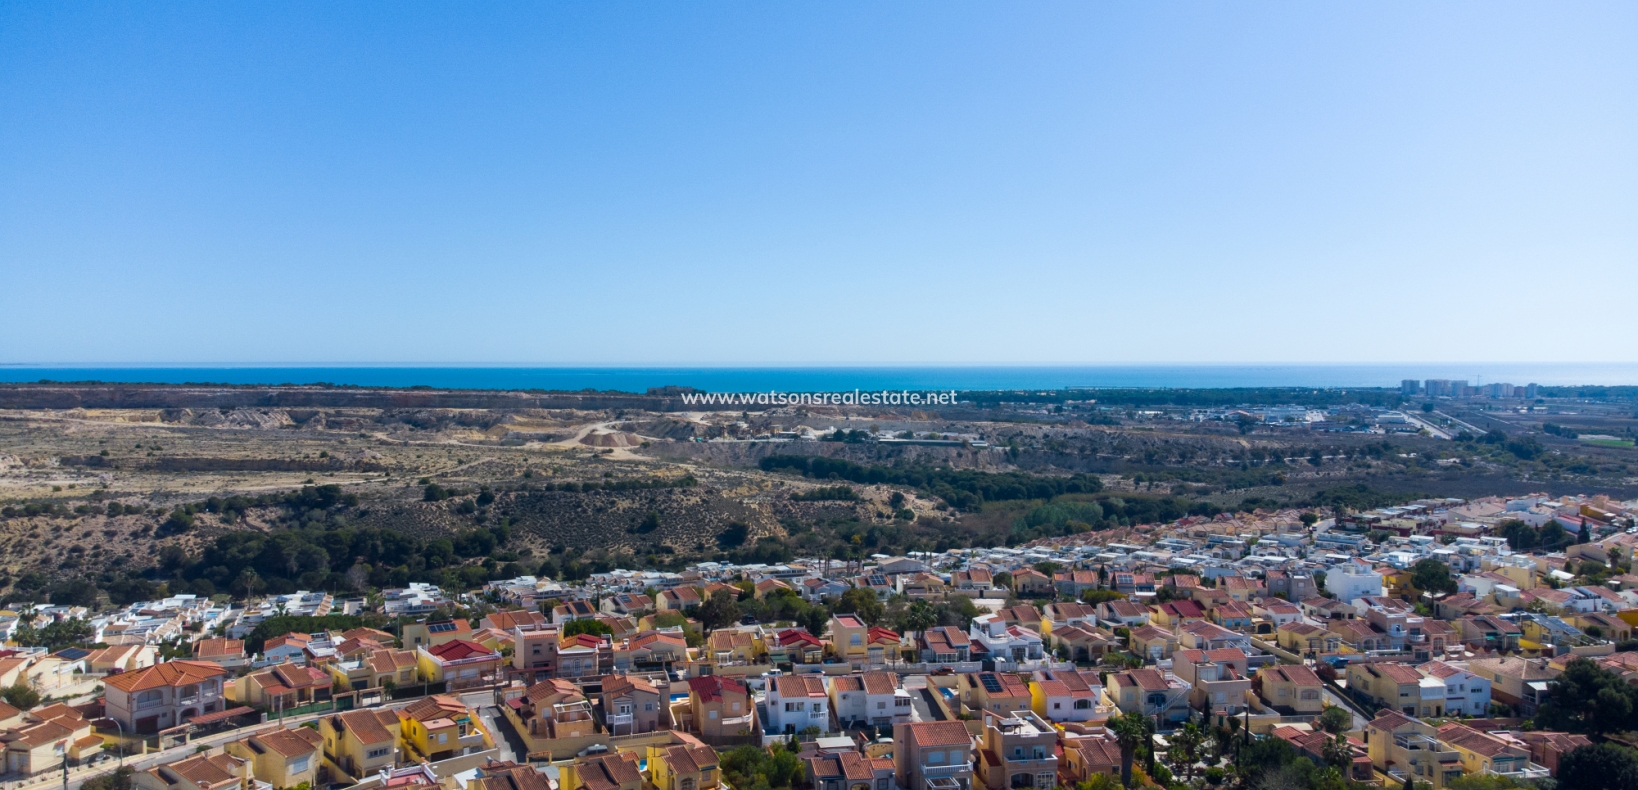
<point x="1532" y="772"/>
<point x="933" y="771"/>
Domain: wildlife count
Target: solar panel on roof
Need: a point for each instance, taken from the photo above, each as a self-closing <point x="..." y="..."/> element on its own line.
<point x="991" y="683"/>
<point x="438" y="628"/>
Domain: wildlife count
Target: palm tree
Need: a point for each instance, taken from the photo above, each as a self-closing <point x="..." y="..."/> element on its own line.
<point x="1131" y="731"/>
<point x="1185" y="749"/>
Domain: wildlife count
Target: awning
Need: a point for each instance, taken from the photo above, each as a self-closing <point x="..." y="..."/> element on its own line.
<point x="221" y="715"/>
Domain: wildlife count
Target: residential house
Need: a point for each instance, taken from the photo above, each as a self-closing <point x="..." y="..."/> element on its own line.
<point x="201" y="772"/>
<point x="847" y="638"/>
<point x="1466" y="694"/>
<point x="933" y="755"/>
<point x="1291" y="689"/>
<point x="795" y="646"/>
<point x="1519" y="682"/>
<point x="1289" y="585"/>
<point x="1004" y="642"/>
<point x="162" y="696"/>
<point x="738" y="647"/>
<point x="628" y="604"/>
<point x="678" y="599"/>
<point x="848" y="770"/>
<point x="1546" y="747"/>
<point x="360" y="743"/>
<point x="1277" y="612"/>
<point x="1031" y="583"/>
<point x="721" y="708"/>
<point x="873" y="698"/>
<point x="513" y="619"/>
<point x="288" y="647"/>
<point x="1406" y="748"/>
<point x="797" y="702"/>
<point x="1084" y="643"/>
<point x="534" y="652"/>
<point x="1603" y="626"/>
<point x="282" y="757"/>
<point x="1234" y="615"/>
<point x="494" y="775"/>
<point x="608" y="771"/>
<point x="1058" y="615"/>
<point x="120" y="658"/>
<point x="1360" y="635"/>
<point x="1307" y="639"/>
<point x="1173" y="615"/>
<point x="1072" y="583"/>
<point x="225" y="653"/>
<point x="944" y="644"/>
<point x="631" y="704"/>
<point x="570" y="611"/>
<point x="1018" y="751"/>
<point x="1327" y="609"/>
<point x="282" y="686"/>
<point x="1218" y="679"/>
<point x="429" y="634"/>
<point x="1118" y="614"/>
<point x="818" y="589"/>
<point x="1152" y="644"/>
<point x="1397" y="687"/>
<point x="1089" y="754"/>
<point x="1066" y="695"/>
<point x="690" y="765"/>
<point x="458" y="663"/>
<point x="1485" y="754"/>
<point x="1027" y="616"/>
<point x="45" y="738"/>
<point x="976" y="580"/>
<point x="555" y="709"/>
<point x="1133" y="583"/>
<point x="1353" y="579"/>
<point x="1000" y="693"/>
<point x="583" y="655"/>
<point x="1149" y="692"/>
<point x="1241" y="588"/>
<point x="651" y="651"/>
<point x="440" y="727"/>
<point x="1202" y="635"/>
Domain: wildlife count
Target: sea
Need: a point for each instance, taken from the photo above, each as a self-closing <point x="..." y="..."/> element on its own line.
<point x="924" y="378"/>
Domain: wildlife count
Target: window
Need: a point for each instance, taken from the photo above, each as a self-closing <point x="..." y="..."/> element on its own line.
<point x="736" y="706"/>
<point x="857" y="640"/>
<point x="1057" y="706"/>
<point x="935" y="758"/>
<point x="648" y="706"/>
<point x="712" y="715"/>
<point x="1083" y="704"/>
<point x="374" y="753"/>
<point x="881" y="706"/>
<point x="300" y="764"/>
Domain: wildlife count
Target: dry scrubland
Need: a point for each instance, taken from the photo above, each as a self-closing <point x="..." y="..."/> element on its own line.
<point x="675" y="495"/>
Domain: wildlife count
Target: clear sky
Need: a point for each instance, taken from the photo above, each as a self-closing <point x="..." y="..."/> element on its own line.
<point x="622" y="182"/>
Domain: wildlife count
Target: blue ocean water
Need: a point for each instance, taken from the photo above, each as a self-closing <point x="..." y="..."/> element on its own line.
<point x="847" y="378"/>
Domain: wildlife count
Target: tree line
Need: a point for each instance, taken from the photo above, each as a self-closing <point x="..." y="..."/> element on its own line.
<point x="960" y="488"/>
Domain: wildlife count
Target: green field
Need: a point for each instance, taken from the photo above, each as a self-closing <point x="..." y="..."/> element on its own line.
<point x="1609" y="442"/>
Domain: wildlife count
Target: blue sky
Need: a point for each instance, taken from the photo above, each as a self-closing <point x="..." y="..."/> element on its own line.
<point x="818" y="183"/>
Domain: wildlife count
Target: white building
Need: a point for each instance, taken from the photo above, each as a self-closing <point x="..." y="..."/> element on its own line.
<point x="1353" y="579"/>
<point x="797" y="702"/>
<point x="1005" y="642"/>
<point x="1466" y="694"/>
<point x="874" y="698"/>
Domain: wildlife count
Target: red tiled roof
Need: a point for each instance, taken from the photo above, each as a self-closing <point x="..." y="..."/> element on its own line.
<point x="170" y="673"/>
